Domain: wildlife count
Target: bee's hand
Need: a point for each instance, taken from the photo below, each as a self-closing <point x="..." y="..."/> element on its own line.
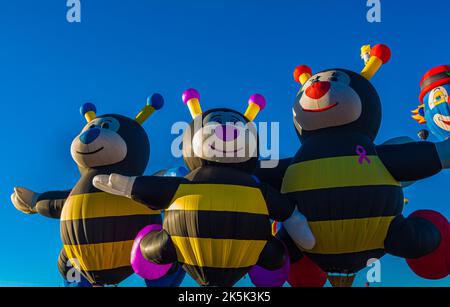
<point x="24" y="200"/>
<point x="298" y="229"/>
<point x="114" y="184"/>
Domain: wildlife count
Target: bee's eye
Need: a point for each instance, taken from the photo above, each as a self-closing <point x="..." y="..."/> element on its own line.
<point x="104" y="126"/>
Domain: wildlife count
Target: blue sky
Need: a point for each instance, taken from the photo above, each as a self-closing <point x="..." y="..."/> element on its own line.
<point x="228" y="49"/>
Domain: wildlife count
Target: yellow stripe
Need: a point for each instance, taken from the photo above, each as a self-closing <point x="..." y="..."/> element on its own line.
<point x="350" y="236"/>
<point x="93" y="205"/>
<point x="336" y="172"/>
<point x="102" y="256"/>
<point x="219" y="197"/>
<point x="218" y="253"/>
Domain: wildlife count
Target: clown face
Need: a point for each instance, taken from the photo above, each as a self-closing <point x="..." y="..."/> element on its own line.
<point x="437" y="111"/>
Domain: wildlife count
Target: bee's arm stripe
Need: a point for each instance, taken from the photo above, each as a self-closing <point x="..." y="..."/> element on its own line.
<point x="156" y="192"/>
<point x="50" y="204"/>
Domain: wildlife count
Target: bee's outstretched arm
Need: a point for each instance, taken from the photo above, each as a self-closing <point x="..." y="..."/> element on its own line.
<point x="49" y="204"/>
<point x="411" y="161"/>
<point x="153" y="191"/>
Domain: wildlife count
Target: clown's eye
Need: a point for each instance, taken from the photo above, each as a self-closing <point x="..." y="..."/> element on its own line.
<point x="422" y="111"/>
<point x="431" y="103"/>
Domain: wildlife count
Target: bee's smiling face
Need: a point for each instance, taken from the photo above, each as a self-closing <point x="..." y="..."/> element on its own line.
<point x="225" y="137"/>
<point x="326" y="100"/>
<point x="99" y="144"/>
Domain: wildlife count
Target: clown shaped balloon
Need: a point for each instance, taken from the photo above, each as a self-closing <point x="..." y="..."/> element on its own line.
<point x="217" y="218"/>
<point x="97" y="229"/>
<point x="434" y="96"/>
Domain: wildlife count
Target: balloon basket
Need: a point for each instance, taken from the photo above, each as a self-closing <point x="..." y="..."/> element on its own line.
<point x="341" y="281"/>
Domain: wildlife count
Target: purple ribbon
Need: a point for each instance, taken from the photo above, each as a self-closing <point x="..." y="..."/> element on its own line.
<point x="362" y="153"/>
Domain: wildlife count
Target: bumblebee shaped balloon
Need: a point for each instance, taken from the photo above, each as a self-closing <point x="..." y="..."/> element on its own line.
<point x="435" y="102"/>
<point x="349" y="188"/>
<point x="97" y="228"/>
<point x="217" y="218"/>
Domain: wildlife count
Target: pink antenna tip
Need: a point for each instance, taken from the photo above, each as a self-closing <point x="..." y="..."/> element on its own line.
<point x="259" y="100"/>
<point x="190" y="94"/>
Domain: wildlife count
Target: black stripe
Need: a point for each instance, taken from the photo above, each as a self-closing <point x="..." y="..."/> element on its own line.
<point x="330" y="146"/>
<point x="349" y="202"/>
<point x="108" y="277"/>
<point x="105" y="229"/>
<point x="215" y="277"/>
<point x="221" y="175"/>
<point x="217" y="225"/>
<point x="63" y="267"/>
<point x="346" y="263"/>
<point x="434" y="78"/>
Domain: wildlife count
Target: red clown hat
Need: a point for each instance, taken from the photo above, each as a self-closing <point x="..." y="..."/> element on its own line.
<point x="435" y="77"/>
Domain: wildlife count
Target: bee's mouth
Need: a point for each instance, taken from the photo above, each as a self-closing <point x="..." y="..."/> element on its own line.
<point x="91" y="152"/>
<point x="320" y="109"/>
<point x="226" y="151"/>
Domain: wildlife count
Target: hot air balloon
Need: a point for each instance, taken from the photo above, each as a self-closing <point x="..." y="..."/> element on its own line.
<point x="434" y="110"/>
<point x="217" y="218"/>
<point x="98" y="229"/>
<point x="423" y="134"/>
<point x="350" y="189"/>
